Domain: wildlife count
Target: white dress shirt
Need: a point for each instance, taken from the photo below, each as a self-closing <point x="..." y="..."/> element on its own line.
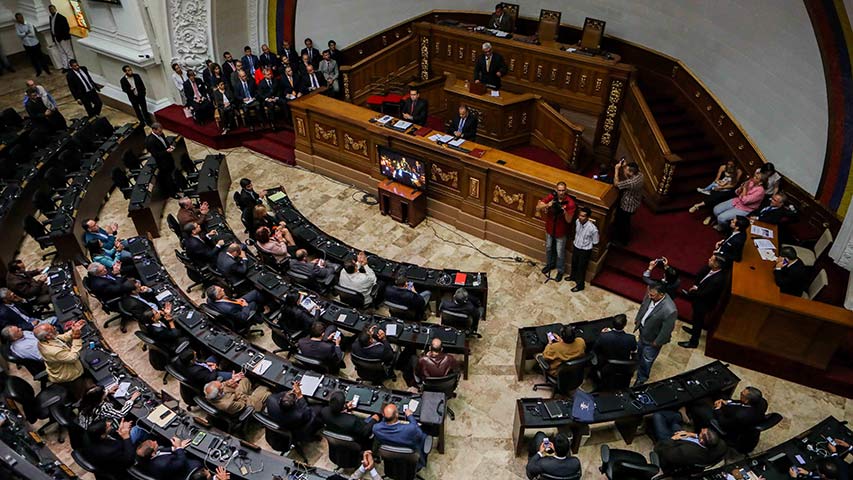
<point x="360" y="282"/>
<point x="26" y="347"/>
<point x="27" y="34"/>
<point x="586" y="235"/>
<point x="652" y="305"/>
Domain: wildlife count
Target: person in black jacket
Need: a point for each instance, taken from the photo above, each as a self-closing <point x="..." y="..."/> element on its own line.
<point x="415" y="108"/>
<point x="490" y="67"/>
<point x="774" y="212"/>
<point x="685" y="449"/>
<point x="465" y="304"/>
<point x="107" y="286"/>
<point x="46" y="119"/>
<point x="200" y="373"/>
<point x="83" y="88"/>
<point x="372" y="344"/>
<point x="404" y="293"/>
<point x="614" y="343"/>
<point x="197" y="247"/>
<point x="111" y="454"/>
<point x="338" y="419"/>
<point x="464" y="125"/>
<point x="670" y="280"/>
<point x="269" y="94"/>
<point x="313" y="54"/>
<point x="791" y="274"/>
<point x="132" y="85"/>
<point x="161" y="147"/>
<point x="60" y="32"/>
<point x="160" y="326"/>
<point x="731" y="247"/>
<point x="553" y="458"/>
<point x="733" y="416"/>
<point x="291" y="412"/>
<point x="322" y="346"/>
<point x="294" y="318"/>
<point x="239" y="311"/>
<point x="165" y="462"/>
<point x="317" y="270"/>
<point x="247" y="199"/>
<point x="704" y="296"/>
<point x="232" y="263"/>
<point x="313" y="80"/>
<point x="198" y="97"/>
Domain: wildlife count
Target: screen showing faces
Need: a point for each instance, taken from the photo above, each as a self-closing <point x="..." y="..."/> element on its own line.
<point x="402" y="168"/>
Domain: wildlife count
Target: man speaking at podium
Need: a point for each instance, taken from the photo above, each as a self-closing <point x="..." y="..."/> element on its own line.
<point x="490" y="67"/>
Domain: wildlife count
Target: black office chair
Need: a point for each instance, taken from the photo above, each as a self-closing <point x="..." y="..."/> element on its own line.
<point x="132" y="162"/>
<point x="122" y="182"/>
<point x="158" y="357"/>
<point x="137" y="474"/>
<point x="548" y="476"/>
<point x="459" y="321"/>
<point x="174" y="226"/>
<point x="617" y="464"/>
<point x="344" y="451"/>
<point x="283" y="339"/>
<point x="349" y="297"/>
<point x="188" y="391"/>
<point x="36" y="229"/>
<point x="243" y="212"/>
<point x="280" y="440"/>
<point x="199" y="274"/>
<point x="745" y="442"/>
<point x="270" y="261"/>
<point x="371" y="370"/>
<point x="35" y="367"/>
<point x="232" y="289"/>
<point x="615" y="374"/>
<point x="45" y="203"/>
<point x="401" y="463"/>
<point x="401" y="311"/>
<point x="109" y="306"/>
<point x="310" y="364"/>
<point x="307" y="282"/>
<point x="222" y="419"/>
<point x="35" y="407"/>
<point x="569" y="376"/>
<point x="85" y="464"/>
<point x="446" y="385"/>
<point x="239" y="327"/>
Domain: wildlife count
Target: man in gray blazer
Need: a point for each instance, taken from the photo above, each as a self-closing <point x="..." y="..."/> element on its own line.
<point x="655" y="321"/>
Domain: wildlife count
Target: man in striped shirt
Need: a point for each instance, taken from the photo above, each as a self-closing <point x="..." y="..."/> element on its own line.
<point x="628" y="179"/>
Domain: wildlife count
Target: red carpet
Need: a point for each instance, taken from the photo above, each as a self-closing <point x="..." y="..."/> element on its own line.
<point x="541" y="155"/>
<point x="277" y="145"/>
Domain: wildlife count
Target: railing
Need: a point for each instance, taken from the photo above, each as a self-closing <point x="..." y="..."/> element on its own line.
<point x="398" y="60"/>
<point x="648" y="146"/>
<point x="557" y="133"/>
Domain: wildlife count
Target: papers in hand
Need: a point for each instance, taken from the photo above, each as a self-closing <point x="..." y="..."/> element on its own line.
<point x="309" y="384"/>
<point x="763" y="243"/>
<point x="402" y="124"/>
<point x="457" y="142"/>
<point x="391" y="330"/>
<point x="761" y="231"/>
<point x="385" y="119"/>
<point x="767" y="254"/>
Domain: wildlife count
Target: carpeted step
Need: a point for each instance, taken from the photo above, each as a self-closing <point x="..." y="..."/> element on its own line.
<point x="633" y="264"/>
<point x="541" y="155"/>
<point x="678" y="203"/>
<point x="709" y="156"/>
<point x="679" y="236"/>
<point x="664" y="108"/>
<point x="285" y="138"/>
<point x="272" y="149"/>
<point x="634" y="289"/>
<point x="683" y="145"/>
<point x="692" y="168"/>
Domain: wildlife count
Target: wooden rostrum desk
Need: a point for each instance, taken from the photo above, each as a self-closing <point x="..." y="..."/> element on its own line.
<point x="493" y="197"/>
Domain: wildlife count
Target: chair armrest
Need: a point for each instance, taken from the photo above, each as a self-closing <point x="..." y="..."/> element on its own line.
<point x="183" y="346"/>
<point x="605" y="454"/>
<point x="427" y="445"/>
<point x="543" y="364"/>
<point x="654" y="459"/>
<point x="650" y="469"/>
<point x="41" y="376"/>
<point x="716" y="426"/>
<point x="246" y="413"/>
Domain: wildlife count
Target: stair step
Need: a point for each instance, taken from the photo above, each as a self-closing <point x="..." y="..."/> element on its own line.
<point x="681" y="131"/>
<point x="633" y="288"/>
<point x="690" y="145"/>
<point x="665" y="121"/>
<point x="704" y="156"/>
<point x="633" y="264"/>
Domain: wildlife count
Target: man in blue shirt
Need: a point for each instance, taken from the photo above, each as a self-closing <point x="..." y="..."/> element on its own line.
<point x="392" y="432"/>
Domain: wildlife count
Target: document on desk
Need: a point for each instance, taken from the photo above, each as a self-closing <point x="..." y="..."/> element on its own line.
<point x="438" y="137"/>
<point x="262" y="366"/>
<point x="163" y="295"/>
<point x="384" y="120"/>
<point x="121" y="392"/>
<point x="764" y="232"/>
<point x="763" y="243"/>
<point x="402" y="124"/>
<point x="276" y="196"/>
<point x="309" y="384"/>
<point x="495" y="93"/>
<point x="767" y="254"/>
<point x="391" y="329"/>
<point x="457" y="142"/>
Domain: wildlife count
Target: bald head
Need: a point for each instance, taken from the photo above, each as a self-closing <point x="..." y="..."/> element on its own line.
<point x="44" y="332"/>
<point x="389" y="413"/>
<point x="185" y="202"/>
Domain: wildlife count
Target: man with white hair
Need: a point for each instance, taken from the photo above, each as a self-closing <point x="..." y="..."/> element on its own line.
<point x="61" y="354"/>
<point x="188" y="213"/>
<point x="490" y="67"/>
<point x="13" y="313"/>
<point x="22" y="343"/>
<point x="45" y="96"/>
<point x="108" y="285"/>
<point x="234" y="395"/>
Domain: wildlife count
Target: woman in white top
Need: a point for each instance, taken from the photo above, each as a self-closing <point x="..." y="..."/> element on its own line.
<point x="179" y="77"/>
<point x="772" y="177"/>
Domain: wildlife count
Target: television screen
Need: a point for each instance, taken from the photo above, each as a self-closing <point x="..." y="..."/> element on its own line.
<point x="402" y="168"/>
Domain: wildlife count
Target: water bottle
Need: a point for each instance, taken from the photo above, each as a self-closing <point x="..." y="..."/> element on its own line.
<point x="477" y="280"/>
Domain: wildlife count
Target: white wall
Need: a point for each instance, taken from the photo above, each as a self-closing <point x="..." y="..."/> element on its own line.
<point x="759" y="57"/>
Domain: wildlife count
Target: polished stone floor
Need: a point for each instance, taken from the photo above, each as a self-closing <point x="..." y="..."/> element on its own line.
<point x="479" y="440"/>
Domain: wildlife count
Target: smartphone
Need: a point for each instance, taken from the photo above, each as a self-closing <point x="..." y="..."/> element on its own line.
<point x="337" y="335"/>
<point x="550" y="336"/>
<point x="355" y="400"/>
<point x="413" y="405"/>
<point x="831" y="441"/>
<point x="546" y="442"/>
<point x="410" y="284"/>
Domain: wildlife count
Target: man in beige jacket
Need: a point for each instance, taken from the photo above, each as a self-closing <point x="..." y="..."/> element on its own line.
<point x="61" y="355"/>
<point x="234" y="395"/>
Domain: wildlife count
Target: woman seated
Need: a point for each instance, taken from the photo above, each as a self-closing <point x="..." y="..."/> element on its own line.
<point x="274" y="244"/>
<point x="261" y="218"/>
<point x="728" y="177"/>
<point x="747" y="198"/>
<point x="96" y="405"/>
<point x="293" y="317"/>
<point x="773" y="179"/>
<point x="109" y="257"/>
<point x="562" y="348"/>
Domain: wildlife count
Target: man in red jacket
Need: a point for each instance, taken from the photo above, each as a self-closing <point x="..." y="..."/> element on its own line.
<point x="558" y="210"/>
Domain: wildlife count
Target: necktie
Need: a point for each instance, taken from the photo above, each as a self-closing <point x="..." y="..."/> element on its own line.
<point x="251" y="65"/>
<point x="269" y="84"/>
<point x="83" y="79"/>
<point x="413" y="108"/>
<point x="110" y="277"/>
<point x="245" y="90"/>
<point x="313" y="81"/>
<point x="488" y="62"/>
<point x="461" y="123"/>
<point x="310" y="54"/>
<point x="195" y="90"/>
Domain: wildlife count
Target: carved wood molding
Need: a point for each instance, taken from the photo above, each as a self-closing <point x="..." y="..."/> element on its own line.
<point x="449" y="178"/>
<point x="508" y="199"/>
<point x="356" y="146"/>
<point x="326" y="134"/>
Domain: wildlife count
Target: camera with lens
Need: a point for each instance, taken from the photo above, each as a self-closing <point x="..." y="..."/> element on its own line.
<point x="557" y="206"/>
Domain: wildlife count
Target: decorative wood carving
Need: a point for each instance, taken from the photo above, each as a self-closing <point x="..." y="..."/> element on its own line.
<point x="358" y="146"/>
<point x="190" y="41"/>
<point x="425" y="57"/>
<point x="325" y="134"/>
<point x="509" y="200"/>
<point x="474" y="187"/>
<point x="300" y="127"/>
<point x="449" y="178"/>
<point x="610" y="113"/>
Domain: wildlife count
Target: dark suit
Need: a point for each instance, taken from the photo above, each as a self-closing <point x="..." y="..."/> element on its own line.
<point x="84" y="90"/>
<point x="294" y="319"/>
<point x="313" y="81"/>
<point x="136" y="307"/>
<point x="770" y="214"/>
<point x="236" y="312"/>
<point x="203" y="107"/>
<point x="250" y="64"/>
<point x="169" y="465"/>
<point x="10" y="317"/>
<point x="269" y="94"/>
<point x="48" y="124"/>
<point x="61" y="30"/>
<point x="734" y="417"/>
<point x="109" y="286"/>
<point x="469" y="126"/>
<point x="654" y="333"/>
<point x="226" y="114"/>
<point x="558" y="467"/>
<point x="166" y="337"/>
<point x="684" y="453"/>
<point x="272" y="61"/>
<point x="25" y="285"/>
<point x="247" y="201"/>
<point x="240" y="92"/>
<point x="157" y="146"/>
<point x="199" y="251"/>
<point x="614" y="345"/>
<point x="418" y="111"/>
<point x="732" y="247"/>
<point x="471" y="308"/>
<point x="302" y="420"/>
<point x="502" y="23"/>
<point x="199" y="375"/>
<point x="314" y="56"/>
<point x="375" y="351"/>
<point x="227" y="69"/>
<point x="348" y="424"/>
<point x="324" y="351"/>
<point x="290" y="53"/>
<point x="705" y="298"/>
<point x="488" y="76"/>
<point x="233" y="269"/>
<point x="111" y="456"/>
<point x="322" y="276"/>
<point x="137" y="100"/>
<point x="792" y="279"/>
<point x="293" y="87"/>
<point x="404" y="296"/>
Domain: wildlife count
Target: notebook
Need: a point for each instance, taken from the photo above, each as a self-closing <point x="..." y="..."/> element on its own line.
<point x="416" y="273"/>
<point x="309" y="384"/>
<point x="276" y="196"/>
<point x="460" y="278"/>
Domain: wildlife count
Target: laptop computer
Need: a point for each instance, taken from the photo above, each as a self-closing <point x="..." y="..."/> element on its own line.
<point x="416" y="273"/>
<point x="220" y="343"/>
<point x="663" y="395"/>
<point x="66" y="303"/>
<point x="608" y="403"/>
<point x="192" y="319"/>
<point x="555" y="409"/>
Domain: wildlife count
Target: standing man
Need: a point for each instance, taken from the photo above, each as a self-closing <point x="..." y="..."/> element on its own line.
<point x="61" y="354"/>
<point x="414" y="108"/>
<point x="313" y="53"/>
<point x="160" y="147"/>
<point x="500" y="20"/>
<point x="131" y="84"/>
<point x="250" y="61"/>
<point x="27" y="34"/>
<point x="586" y="237"/>
<point x="229" y="66"/>
<point x="629" y="181"/>
<point x="83" y="88"/>
<point x="60" y="32"/>
<point x="704" y="297"/>
<point x="45" y="117"/>
<point x="558" y="209"/>
<point x="490" y="67"/>
<point x="268" y="94"/>
<point x="655" y="321"/>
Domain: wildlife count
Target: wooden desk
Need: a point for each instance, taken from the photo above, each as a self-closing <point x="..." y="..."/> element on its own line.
<point x="493" y="197"/>
<point x="404" y="204"/>
<point x="760" y="323"/>
<point x="147" y="201"/>
<point x="214" y="180"/>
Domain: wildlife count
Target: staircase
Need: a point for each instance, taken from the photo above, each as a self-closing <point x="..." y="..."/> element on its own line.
<point x="686" y="139"/>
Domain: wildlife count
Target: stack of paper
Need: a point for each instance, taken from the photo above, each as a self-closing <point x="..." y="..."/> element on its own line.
<point x="441" y="138"/>
<point x="761" y="231"/>
<point x="457" y="142"/>
<point x="495" y="93"/>
<point x="764" y="244"/>
<point x="262" y="367"/>
<point x="402" y="124"/>
<point x="309" y="384"/>
<point x="391" y="329"/>
<point x="385" y="119"/>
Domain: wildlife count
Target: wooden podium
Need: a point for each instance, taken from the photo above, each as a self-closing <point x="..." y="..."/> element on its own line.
<point x="404" y="204"/>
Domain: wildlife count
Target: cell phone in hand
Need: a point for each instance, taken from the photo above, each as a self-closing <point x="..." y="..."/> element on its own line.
<point x="551" y="336"/>
<point x="337" y="335"/>
<point x="410" y="284"/>
<point x="413" y="405"/>
<point x="355" y="400"/>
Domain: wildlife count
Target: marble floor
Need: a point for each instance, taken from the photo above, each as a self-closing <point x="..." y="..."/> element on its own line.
<point x="479" y="440"/>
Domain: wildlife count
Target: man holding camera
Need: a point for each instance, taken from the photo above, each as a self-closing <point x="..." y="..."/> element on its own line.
<point x="557" y="209"/>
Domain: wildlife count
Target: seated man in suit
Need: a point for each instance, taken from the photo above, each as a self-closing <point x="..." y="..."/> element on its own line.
<point x="235" y="394"/>
<point x="244" y="89"/>
<point x="615" y="343"/>
<point x="731" y="248"/>
<point x="563" y="347"/>
<point x="414" y="108"/>
<point x="313" y="80"/>
<point x="791" y="275"/>
<point x="188" y="213"/>
<point x="198" y="97"/>
<point x="395" y="433"/>
<point x="500" y="20"/>
<point x="232" y="263"/>
<point x="291" y="84"/>
<point x="28" y="283"/>
<point x="107" y="234"/>
<point x="110" y="451"/>
<point x="552" y="458"/>
<point x="323" y="345"/>
<point x="106" y="285"/>
<point x="161" y="327"/>
<point x="372" y="344"/>
<point x="465" y="304"/>
<point x="291" y="412"/>
<point x="22" y="343"/>
<point x="294" y="317"/>
<point x="733" y="416"/>
<point x="338" y="419"/>
<point x="464" y="125"/>
<point x="704" y="296"/>
<point x="12" y="312"/>
<point x="403" y="293"/>
<point x="269" y="94"/>
<point x="198" y="247"/>
<point x="357" y="275"/>
<point x="140" y="301"/>
<point x="241" y="310"/>
<point x="200" y="373"/>
<point x="317" y="270"/>
<point x="165" y="463"/>
<point x="774" y="212"/>
<point x="685" y="449"/>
